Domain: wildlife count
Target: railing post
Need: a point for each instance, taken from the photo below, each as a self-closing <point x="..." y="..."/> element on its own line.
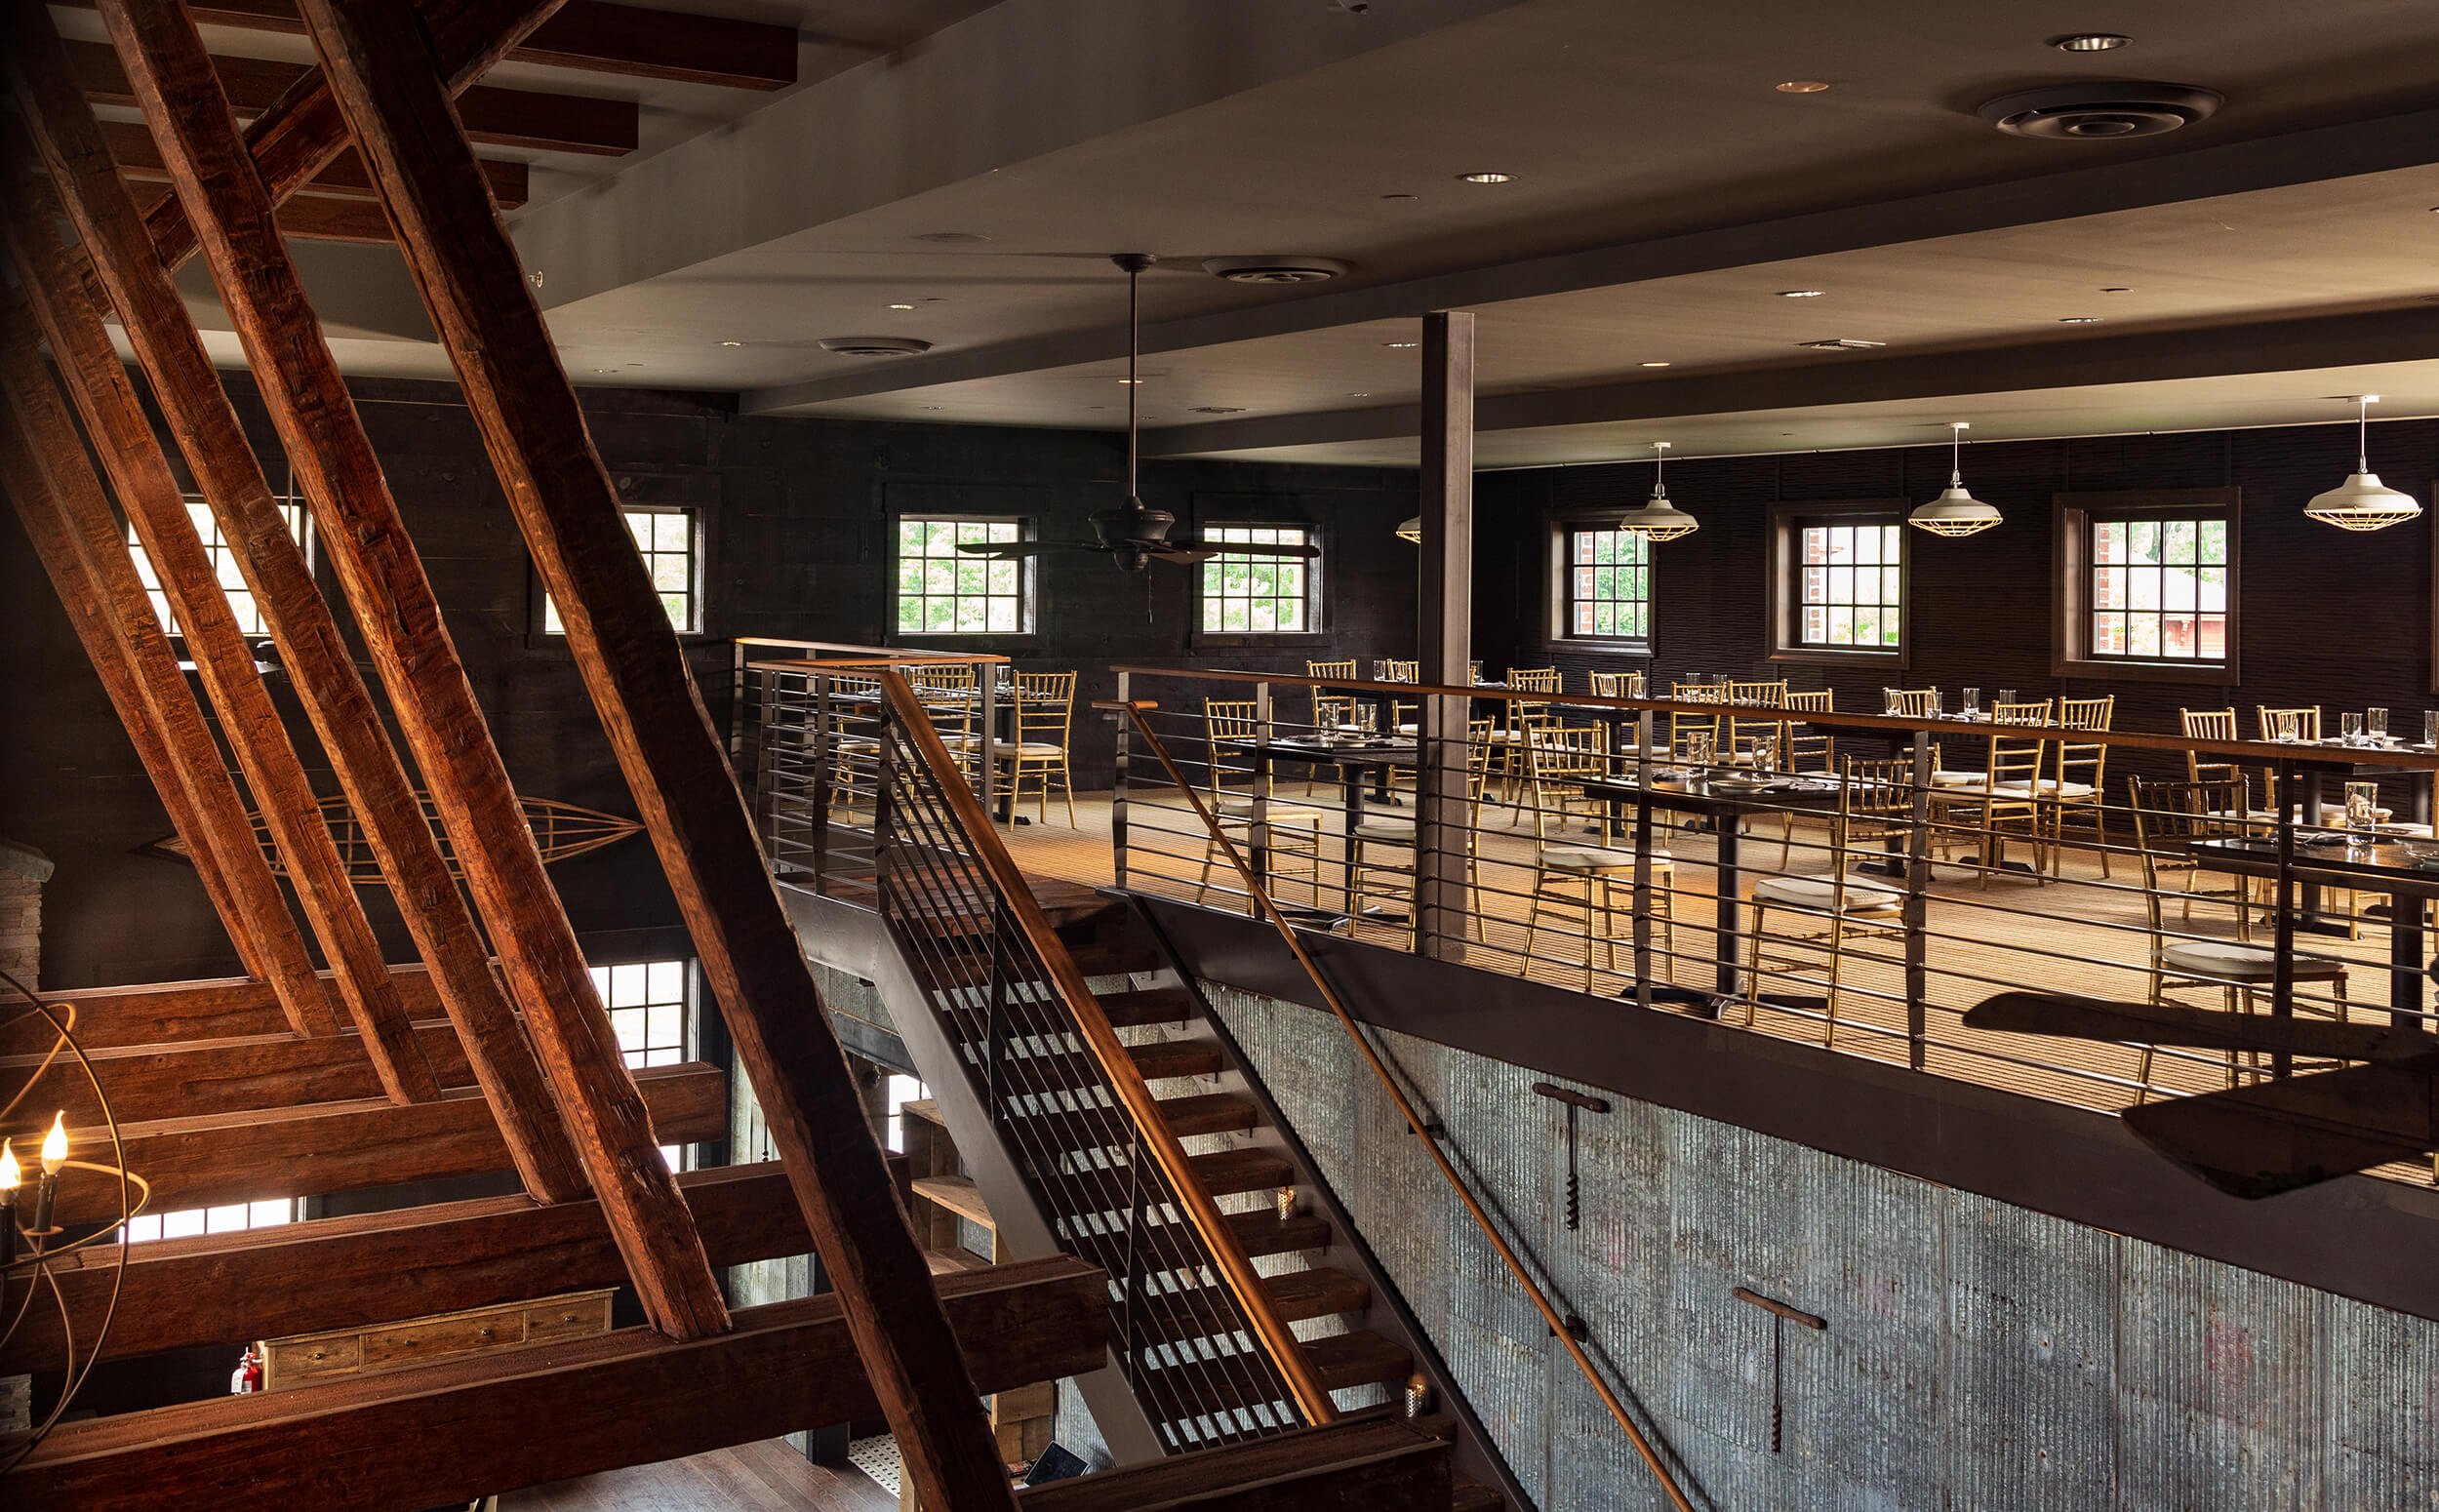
<point x="884" y="779"/>
<point x="1443" y="592"/>
<point x="1442" y="817"/>
<point x="1918" y="908"/>
<point x="766" y="809"/>
<point x="986" y="739"/>
<point x="1117" y="791"/>
<point x="1257" y="832"/>
<point x="2282" y="989"/>
<point x="1643" y="861"/>
<point x="823" y="729"/>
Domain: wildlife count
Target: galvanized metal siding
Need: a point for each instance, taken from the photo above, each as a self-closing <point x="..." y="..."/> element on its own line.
<point x="1979" y="1357"/>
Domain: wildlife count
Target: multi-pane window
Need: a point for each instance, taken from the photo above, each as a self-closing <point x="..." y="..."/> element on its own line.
<point x="1609" y="585"/>
<point x="1848" y="586"/>
<point x="943" y="591"/>
<point x="671" y="542"/>
<point x="227" y="1218"/>
<point x="649" y="1004"/>
<point x="2159" y="589"/>
<point x="1259" y="595"/>
<point x="224" y="557"/>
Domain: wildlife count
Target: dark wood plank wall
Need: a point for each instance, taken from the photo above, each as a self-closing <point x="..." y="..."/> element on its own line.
<point x="798" y="517"/>
<point x="2330" y="617"/>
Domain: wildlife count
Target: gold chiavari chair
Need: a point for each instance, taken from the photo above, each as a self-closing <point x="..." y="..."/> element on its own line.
<point x="1565" y="757"/>
<point x="1911" y="703"/>
<point x="1295" y="832"/>
<point x="1045" y="713"/>
<point x="1509" y="766"/>
<point x="2005" y="800"/>
<point x="2207" y="725"/>
<point x="947" y="693"/>
<point x="1332" y="711"/>
<point x="2080" y="775"/>
<point x="2306" y="721"/>
<point x="1405" y="714"/>
<point x="1766" y="693"/>
<point x="1753" y="715"/>
<point x="1805" y="752"/>
<point x="1875" y="801"/>
<point x="1370" y="878"/>
<point x="2168" y="819"/>
<point x="1614" y="685"/>
<point x="1689" y="730"/>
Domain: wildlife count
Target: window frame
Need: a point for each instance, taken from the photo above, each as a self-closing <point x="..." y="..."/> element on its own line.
<point x="1028" y="574"/>
<point x="689" y="1046"/>
<point x="214" y="546"/>
<point x="1558" y="588"/>
<point x="2072" y="517"/>
<point x="698" y="536"/>
<point x="1782" y="595"/>
<point x="1316" y="585"/>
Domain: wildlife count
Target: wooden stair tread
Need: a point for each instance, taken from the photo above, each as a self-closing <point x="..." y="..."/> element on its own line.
<point x="1471" y="1495"/>
<point x="945" y="1263"/>
<point x="1296" y="1295"/>
<point x="1148" y="1006"/>
<point x="958" y="1194"/>
<point x="1224" y="1173"/>
<point x="1070" y="903"/>
<point x="1264" y="1232"/>
<point x="1154" y="1060"/>
<point x="1111" y="957"/>
<point x="1317" y="1293"/>
<point x="1215" y="1112"/>
<point x="1361" y="1358"/>
<point x="928" y="1109"/>
<point x="1160" y="1059"/>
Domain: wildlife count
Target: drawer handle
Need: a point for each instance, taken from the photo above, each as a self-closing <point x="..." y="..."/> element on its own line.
<point x="567" y="1317"/>
<point x="486" y="1333"/>
<point x="317" y="1355"/>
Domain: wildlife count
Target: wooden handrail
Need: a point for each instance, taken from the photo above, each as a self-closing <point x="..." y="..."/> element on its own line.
<point x="1415" y="1121"/>
<point x="893" y="658"/>
<point x="2262" y="752"/>
<point x="1092" y="1026"/>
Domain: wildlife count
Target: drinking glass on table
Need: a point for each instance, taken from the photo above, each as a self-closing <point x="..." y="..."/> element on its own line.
<point x="1890" y="699"/>
<point x="2362" y="810"/>
<point x="2430" y="727"/>
<point x="1973" y="702"/>
<point x="2375" y="723"/>
<point x="2006" y="695"/>
<point x="2351" y="728"/>
<point x="2285" y="726"/>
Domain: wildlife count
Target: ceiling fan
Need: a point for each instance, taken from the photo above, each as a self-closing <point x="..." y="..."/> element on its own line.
<point x="1133" y="535"/>
<point x="2271" y="1137"/>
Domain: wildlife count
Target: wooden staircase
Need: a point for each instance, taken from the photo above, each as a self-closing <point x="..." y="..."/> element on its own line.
<point x="1355" y="1345"/>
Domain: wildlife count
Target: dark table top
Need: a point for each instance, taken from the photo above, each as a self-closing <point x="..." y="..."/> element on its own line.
<point x="1375" y="753"/>
<point x="2390" y="865"/>
<point x="1727" y="796"/>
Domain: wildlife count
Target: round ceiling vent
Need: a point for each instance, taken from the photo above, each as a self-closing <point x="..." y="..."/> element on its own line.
<point x="1274" y="269"/>
<point x="874" y="345"/>
<point x="2099" y="110"/>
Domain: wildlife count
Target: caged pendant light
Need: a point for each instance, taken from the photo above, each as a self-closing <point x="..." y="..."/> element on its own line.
<point x="1956" y="512"/>
<point x="1658" y="520"/>
<point x="2361" y="502"/>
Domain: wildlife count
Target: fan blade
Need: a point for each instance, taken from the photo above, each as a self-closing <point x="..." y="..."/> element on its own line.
<point x="2258" y="1141"/>
<point x="1245" y="548"/>
<point x="1011" y="550"/>
<point x="1186" y="555"/>
<point x="2199" y="1028"/>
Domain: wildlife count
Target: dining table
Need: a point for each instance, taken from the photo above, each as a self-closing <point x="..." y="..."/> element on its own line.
<point x="1357" y="760"/>
<point x="2403" y="868"/>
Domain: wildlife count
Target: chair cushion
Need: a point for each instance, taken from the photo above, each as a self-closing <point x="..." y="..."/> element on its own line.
<point x="1947" y="779"/>
<point x="1387" y="832"/>
<point x="1822" y="893"/>
<point x="2242" y="963"/>
<point x="1594" y="859"/>
<point x="1242" y="811"/>
<point x="1032" y="748"/>
<point x="2049" y="786"/>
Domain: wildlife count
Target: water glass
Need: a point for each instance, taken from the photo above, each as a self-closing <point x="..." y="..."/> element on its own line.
<point x="1765" y="758"/>
<point x="2430" y="728"/>
<point x="1699" y="748"/>
<point x="2363" y="808"/>
<point x="2375" y="723"/>
<point x="2350" y="728"/>
<point x="2284" y="726"/>
<point x="1889" y="698"/>
<point x="1972" y="701"/>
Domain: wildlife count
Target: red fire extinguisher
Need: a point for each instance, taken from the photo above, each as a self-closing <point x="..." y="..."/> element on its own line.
<point x="248" y="1376"/>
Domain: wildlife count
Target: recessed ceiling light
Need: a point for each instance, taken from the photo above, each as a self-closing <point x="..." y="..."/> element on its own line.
<point x="873" y="345"/>
<point x="1134" y="383"/>
<point x="1655" y="365"/>
<point x="2090" y="42"/>
<point x="1275" y="268"/>
<point x="1401" y="196"/>
<point x="1841" y="344"/>
<point x="2079" y="320"/>
<point x="1399" y="346"/>
<point x="1486" y="175"/>
<point x="897" y="306"/>
<point x="1801" y="294"/>
<point x="936" y="406"/>
<point x="605" y="370"/>
<point x="1219" y="409"/>
<point x="732" y="343"/>
<point x="1360" y="393"/>
<point x="1802" y="87"/>
<point x="2118" y="288"/>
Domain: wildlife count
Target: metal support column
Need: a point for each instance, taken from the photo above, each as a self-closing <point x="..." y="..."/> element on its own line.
<point x="1445" y="647"/>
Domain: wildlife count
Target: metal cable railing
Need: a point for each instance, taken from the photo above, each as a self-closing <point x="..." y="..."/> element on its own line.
<point x="861" y="797"/>
<point x="1426" y="1132"/>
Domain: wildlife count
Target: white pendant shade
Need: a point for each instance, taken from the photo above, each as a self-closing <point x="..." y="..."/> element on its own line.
<point x="1956" y="512"/>
<point x="2362" y="502"/>
<point x="1411" y="530"/>
<point x="1658" y="519"/>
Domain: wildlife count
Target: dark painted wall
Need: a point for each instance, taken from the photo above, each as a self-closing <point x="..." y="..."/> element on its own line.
<point x="2327" y="617"/>
<point x="798" y="517"/>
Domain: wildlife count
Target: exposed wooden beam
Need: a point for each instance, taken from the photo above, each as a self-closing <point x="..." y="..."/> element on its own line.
<point x="140" y="162"/>
<point x="1380" y="1465"/>
<point x="319" y="659"/>
<point x="595" y="37"/>
<point x="162" y="1014"/>
<point x="379" y="1267"/>
<point x="135" y="680"/>
<point x="235" y="1075"/>
<point x="251" y="723"/>
<point x="343" y="1147"/>
<point x="306" y="217"/>
<point x="467" y="1428"/>
<point x="389" y="86"/>
<point x="499" y="117"/>
<point x="301" y="132"/>
<point x="402" y="627"/>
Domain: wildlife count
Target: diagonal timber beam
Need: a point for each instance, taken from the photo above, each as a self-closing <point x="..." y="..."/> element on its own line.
<point x="402" y="627"/>
<point x="140" y="673"/>
<point x="458" y="1431"/>
<point x="301" y="134"/>
<point x="391" y="88"/>
<point x="257" y="736"/>
<point x="320" y="666"/>
<point x="139" y="160"/>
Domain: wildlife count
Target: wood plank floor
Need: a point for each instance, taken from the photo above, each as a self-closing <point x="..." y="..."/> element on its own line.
<point x="764" y="1477"/>
<point x="2079" y="933"/>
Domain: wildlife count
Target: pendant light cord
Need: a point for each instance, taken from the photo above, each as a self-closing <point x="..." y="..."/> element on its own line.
<point x="2362" y="434"/>
<point x="1134" y="380"/>
<point x="1956" y="458"/>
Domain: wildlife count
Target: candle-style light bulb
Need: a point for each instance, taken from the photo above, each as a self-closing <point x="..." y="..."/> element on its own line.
<point x="12" y="1175"/>
<point x="54" y="1145"/>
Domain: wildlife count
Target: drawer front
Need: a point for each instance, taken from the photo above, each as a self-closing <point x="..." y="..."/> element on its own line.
<point x="573" y="1317"/>
<point x="286" y="1363"/>
<point x="432" y="1338"/>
